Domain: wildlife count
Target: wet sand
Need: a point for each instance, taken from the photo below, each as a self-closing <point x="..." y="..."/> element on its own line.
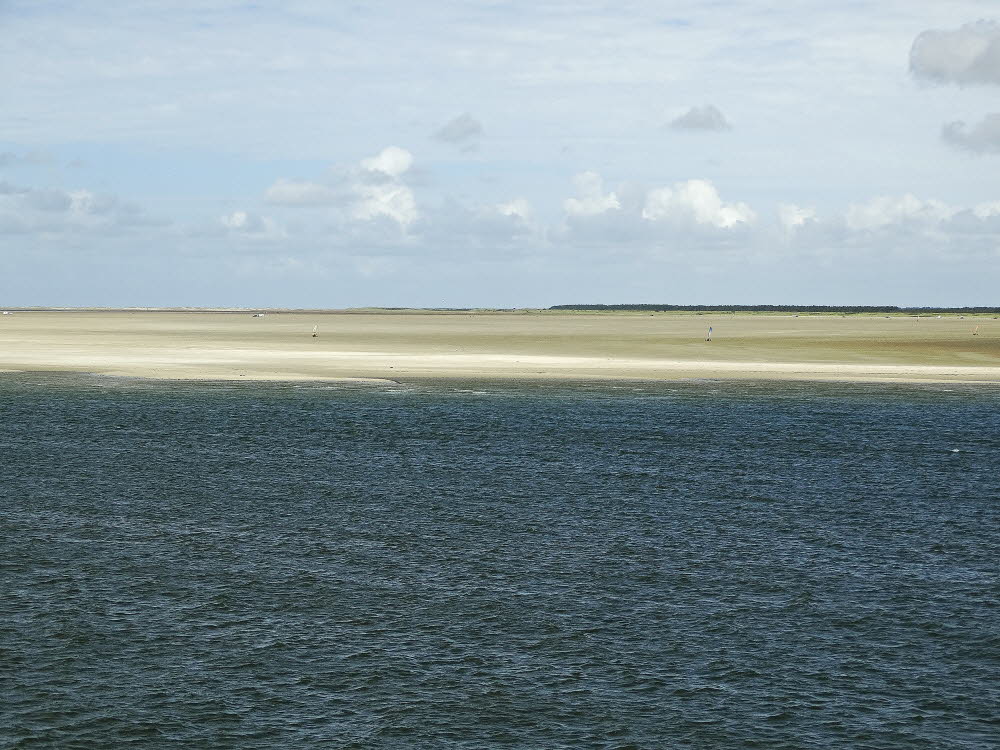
<point x="497" y="346"/>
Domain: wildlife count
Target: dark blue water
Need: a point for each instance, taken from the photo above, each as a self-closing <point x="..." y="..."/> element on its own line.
<point x="697" y="565"/>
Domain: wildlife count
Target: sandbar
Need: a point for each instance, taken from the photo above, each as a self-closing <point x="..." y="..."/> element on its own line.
<point x="512" y="345"/>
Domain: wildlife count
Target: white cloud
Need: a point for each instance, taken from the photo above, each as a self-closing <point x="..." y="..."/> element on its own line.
<point x="684" y="219"/>
<point x="391" y="200"/>
<point x="380" y="191"/>
<point x="987" y="210"/>
<point x="371" y="190"/>
<point x="252" y="226"/>
<point x="968" y="55"/>
<point x="705" y="118"/>
<point x="593" y="200"/>
<point x="982" y="138"/>
<point x="86" y="203"/>
<point x="392" y="161"/>
<point x="236" y="220"/>
<point x="518" y="207"/>
<point x="888" y="210"/>
<point x="698" y="201"/>
<point x="982" y="220"/>
<point x="295" y="193"/>
<point x="792" y="216"/>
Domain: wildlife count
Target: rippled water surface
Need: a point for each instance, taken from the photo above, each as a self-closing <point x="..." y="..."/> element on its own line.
<point x="697" y="565"/>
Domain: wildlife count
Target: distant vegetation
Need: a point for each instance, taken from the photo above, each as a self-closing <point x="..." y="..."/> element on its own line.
<point x="784" y="308"/>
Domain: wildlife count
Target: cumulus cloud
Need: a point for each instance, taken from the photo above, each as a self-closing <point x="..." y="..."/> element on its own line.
<point x="911" y="230"/>
<point x="705" y="118"/>
<point x="368" y="202"/>
<point x="369" y="209"/>
<point x="919" y="230"/>
<point x="252" y="226"/>
<point x="391" y="161"/>
<point x="885" y="210"/>
<point x="464" y="130"/>
<point x="982" y="220"/>
<point x="987" y="210"/>
<point x="87" y="203"/>
<point x="968" y="55"/>
<point x="697" y="201"/>
<point x="393" y="201"/>
<point x="237" y="220"/>
<point x="792" y="216"/>
<point x="686" y="217"/>
<point x="295" y="193"/>
<point x="518" y="207"/>
<point x="380" y="191"/>
<point x="982" y="138"/>
<point x="592" y="200"/>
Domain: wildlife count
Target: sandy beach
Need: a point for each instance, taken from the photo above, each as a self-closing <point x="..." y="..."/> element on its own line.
<point x="500" y="345"/>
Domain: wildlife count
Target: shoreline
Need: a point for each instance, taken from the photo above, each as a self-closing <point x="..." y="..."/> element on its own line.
<point x="483" y="369"/>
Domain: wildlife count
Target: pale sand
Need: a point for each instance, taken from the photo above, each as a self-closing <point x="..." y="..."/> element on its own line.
<point x="373" y="346"/>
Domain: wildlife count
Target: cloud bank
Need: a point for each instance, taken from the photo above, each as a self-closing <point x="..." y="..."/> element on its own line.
<point x="52" y="212"/>
<point x="371" y="208"/>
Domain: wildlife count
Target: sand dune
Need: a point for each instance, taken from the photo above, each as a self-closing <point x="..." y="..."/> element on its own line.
<point x="280" y="346"/>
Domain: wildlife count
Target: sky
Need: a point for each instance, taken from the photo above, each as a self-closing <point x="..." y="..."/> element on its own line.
<point x="499" y="153"/>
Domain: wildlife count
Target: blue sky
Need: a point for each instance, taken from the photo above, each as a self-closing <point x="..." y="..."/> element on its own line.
<point x="506" y="154"/>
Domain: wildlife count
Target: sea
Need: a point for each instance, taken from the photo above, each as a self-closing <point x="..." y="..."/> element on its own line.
<point x="695" y="564"/>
